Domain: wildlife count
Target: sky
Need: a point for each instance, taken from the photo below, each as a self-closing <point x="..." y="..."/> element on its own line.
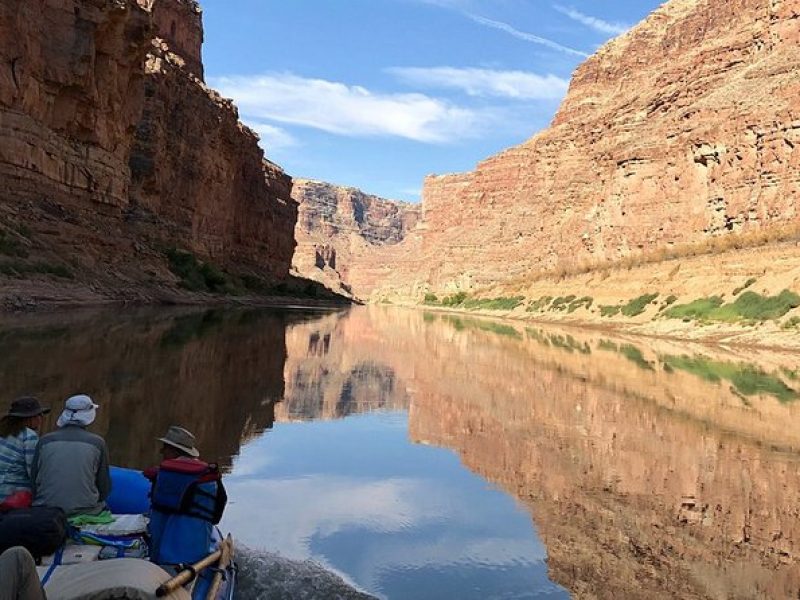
<point x="377" y="94"/>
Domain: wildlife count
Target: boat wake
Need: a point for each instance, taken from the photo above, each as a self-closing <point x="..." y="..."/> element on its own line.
<point x="268" y="576"/>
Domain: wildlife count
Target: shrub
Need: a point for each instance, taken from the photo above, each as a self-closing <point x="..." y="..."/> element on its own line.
<point x="455" y="299"/>
<point x="501" y="303"/>
<point x="431" y="298"/>
<point x="11" y="247"/>
<point x="746" y="285"/>
<point x="199" y="277"/>
<point x="609" y="311"/>
<point x="698" y="309"/>
<point x="638" y="305"/>
<point x="561" y="303"/>
<point x="540" y="304"/>
<point x="585" y="302"/>
<point x="749" y="306"/>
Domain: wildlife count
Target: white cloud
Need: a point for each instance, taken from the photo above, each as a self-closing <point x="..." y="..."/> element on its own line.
<point x="323" y="505"/>
<point x="528" y="37"/>
<point x="273" y="138"/>
<point x="350" y="110"/>
<point x="484" y="82"/>
<point x="593" y="22"/>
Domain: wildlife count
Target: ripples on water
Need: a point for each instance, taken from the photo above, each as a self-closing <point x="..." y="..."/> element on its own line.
<point x="424" y="455"/>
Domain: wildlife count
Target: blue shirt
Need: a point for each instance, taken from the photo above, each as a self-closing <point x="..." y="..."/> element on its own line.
<point x="16" y="461"/>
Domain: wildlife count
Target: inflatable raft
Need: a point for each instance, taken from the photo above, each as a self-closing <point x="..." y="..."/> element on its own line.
<point x="112" y="560"/>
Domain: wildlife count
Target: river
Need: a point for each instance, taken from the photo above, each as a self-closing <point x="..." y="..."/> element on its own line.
<point x="426" y="455"/>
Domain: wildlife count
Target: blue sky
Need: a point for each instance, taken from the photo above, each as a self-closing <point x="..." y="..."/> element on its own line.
<point x="377" y="94"/>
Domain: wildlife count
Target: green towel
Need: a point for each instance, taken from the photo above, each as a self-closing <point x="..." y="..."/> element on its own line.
<point x="102" y="518"/>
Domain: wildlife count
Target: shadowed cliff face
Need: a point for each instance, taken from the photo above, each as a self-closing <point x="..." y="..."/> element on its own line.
<point x="651" y="469"/>
<point x="112" y="150"/>
<point x="218" y="374"/>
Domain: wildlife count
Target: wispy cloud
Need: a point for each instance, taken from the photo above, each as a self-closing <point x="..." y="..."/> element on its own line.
<point x="593" y="22"/>
<point x="522" y="35"/>
<point x="467" y="9"/>
<point x="485" y="82"/>
<point x="350" y="110"/>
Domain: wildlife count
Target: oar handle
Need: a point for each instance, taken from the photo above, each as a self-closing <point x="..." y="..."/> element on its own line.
<point x="225" y="560"/>
<point x="187" y="574"/>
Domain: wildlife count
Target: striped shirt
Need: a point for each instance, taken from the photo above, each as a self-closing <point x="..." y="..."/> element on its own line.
<point x="16" y="460"/>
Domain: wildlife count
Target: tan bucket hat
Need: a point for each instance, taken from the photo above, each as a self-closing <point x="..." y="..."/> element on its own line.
<point x="182" y="439"/>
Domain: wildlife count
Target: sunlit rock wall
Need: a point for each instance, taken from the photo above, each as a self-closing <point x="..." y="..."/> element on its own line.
<point x="684" y="128"/>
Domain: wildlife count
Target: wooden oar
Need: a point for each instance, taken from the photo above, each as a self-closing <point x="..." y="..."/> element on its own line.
<point x="187" y="574"/>
<point x="227" y="556"/>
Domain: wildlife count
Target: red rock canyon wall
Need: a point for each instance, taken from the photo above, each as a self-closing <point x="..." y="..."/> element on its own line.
<point x="684" y="128"/>
<point x="113" y="149"/>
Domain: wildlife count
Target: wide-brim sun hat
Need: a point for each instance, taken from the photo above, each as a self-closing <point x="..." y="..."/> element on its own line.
<point x="182" y="439"/>
<point x="78" y="410"/>
<point x="26" y="407"/>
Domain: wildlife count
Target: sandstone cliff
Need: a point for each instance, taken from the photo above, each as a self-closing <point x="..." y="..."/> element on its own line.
<point x="113" y="151"/>
<point x="683" y="129"/>
<point x="337" y="227"/>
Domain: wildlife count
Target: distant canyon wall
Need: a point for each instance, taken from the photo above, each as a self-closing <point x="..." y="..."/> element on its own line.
<point x="112" y="149"/>
<point x="685" y="128"/>
<point x="339" y="227"/>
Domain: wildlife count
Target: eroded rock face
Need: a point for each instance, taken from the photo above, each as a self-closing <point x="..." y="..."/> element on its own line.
<point x="684" y="128"/>
<point x="70" y="93"/>
<point x="113" y="149"/>
<point x="340" y="227"/>
<point x="200" y="171"/>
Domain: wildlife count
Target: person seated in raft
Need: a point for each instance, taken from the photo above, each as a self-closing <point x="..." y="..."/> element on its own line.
<point x="187" y="500"/>
<point x="70" y="467"/>
<point x="19" y="434"/>
<point x="18" y="578"/>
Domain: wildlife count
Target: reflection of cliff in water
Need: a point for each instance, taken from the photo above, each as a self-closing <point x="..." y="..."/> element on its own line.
<point x="217" y="373"/>
<point x="652" y="469"/>
<point x="331" y="374"/>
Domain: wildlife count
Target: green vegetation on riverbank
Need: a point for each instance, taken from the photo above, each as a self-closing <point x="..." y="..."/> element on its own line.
<point x="748" y="307"/>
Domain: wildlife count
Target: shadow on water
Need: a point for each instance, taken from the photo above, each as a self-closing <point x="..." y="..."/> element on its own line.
<point x="219" y="373"/>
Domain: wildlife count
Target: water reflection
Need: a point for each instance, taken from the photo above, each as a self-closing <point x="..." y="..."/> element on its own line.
<point x="651" y="468"/>
<point x="219" y="373"/>
<point x="648" y="469"/>
<point x="400" y="520"/>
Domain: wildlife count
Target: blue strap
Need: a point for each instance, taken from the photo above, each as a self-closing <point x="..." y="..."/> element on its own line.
<point x="57" y="557"/>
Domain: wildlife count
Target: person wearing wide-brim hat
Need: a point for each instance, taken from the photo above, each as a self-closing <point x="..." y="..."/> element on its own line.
<point x="19" y="434"/>
<point x="71" y="468"/>
<point x="178" y="442"/>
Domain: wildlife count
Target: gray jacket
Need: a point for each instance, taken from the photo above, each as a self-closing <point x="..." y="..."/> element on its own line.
<point x="70" y="470"/>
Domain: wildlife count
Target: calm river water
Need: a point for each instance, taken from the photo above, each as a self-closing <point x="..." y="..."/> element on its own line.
<point x="424" y="455"/>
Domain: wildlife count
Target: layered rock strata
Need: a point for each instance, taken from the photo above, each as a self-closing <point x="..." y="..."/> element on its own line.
<point x="338" y="228"/>
<point x="112" y="150"/>
<point x="685" y="128"/>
